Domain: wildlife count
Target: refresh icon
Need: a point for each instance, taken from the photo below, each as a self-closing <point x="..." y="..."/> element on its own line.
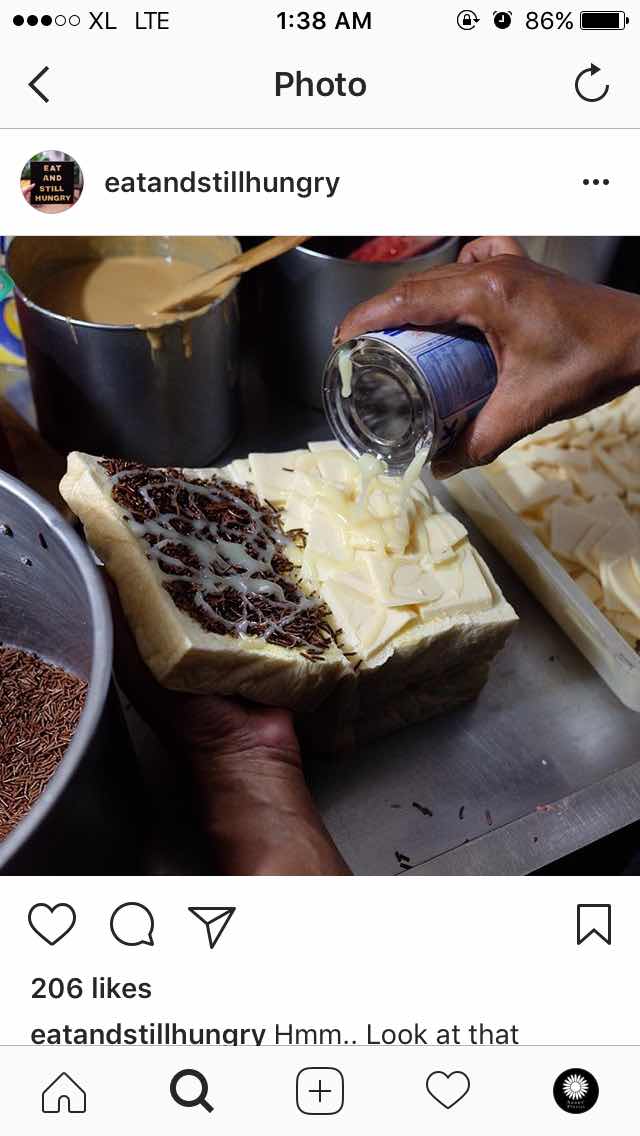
<point x="591" y="70"/>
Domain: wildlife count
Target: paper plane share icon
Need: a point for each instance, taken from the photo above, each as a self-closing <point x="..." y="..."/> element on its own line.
<point x="215" y="920"/>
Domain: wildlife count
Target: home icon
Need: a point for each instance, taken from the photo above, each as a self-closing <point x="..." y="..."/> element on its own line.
<point x="64" y="1095"/>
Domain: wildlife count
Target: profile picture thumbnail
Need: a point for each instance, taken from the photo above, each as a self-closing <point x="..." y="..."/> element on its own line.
<point x="51" y="181"/>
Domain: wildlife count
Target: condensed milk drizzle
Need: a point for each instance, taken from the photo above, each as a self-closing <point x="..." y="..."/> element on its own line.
<point x="224" y="555"/>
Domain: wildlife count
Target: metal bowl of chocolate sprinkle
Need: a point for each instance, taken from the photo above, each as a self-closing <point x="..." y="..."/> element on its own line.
<point x="55" y="670"/>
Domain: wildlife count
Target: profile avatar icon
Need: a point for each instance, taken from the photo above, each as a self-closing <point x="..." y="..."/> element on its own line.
<point x="51" y="181"/>
<point x="576" y="1090"/>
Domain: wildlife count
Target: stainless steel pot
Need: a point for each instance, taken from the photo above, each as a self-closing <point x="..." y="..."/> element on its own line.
<point x="165" y="397"/>
<point x="309" y="292"/>
<point x="57" y="607"/>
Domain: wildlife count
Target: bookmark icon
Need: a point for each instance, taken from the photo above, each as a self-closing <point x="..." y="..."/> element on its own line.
<point x="215" y="920"/>
<point x="594" y="919"/>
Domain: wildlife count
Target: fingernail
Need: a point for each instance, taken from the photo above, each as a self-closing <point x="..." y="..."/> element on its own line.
<point x="336" y="335"/>
<point x="441" y="470"/>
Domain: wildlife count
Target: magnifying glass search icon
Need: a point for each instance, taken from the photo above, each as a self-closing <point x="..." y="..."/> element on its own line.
<point x="201" y="1094"/>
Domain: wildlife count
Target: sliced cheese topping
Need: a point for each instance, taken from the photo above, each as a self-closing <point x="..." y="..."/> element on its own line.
<point x="378" y="550"/>
<point x="366" y="625"/>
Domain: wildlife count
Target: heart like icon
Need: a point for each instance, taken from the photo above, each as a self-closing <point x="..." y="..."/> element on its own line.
<point x="448" y="1088"/>
<point x="51" y="923"/>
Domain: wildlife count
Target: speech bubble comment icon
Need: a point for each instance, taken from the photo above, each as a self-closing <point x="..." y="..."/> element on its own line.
<point x="132" y="925"/>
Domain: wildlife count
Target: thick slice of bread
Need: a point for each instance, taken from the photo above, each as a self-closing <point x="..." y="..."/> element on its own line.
<point x="415" y="613"/>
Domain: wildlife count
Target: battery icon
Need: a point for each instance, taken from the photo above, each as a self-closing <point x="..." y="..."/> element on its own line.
<point x="603" y="21"/>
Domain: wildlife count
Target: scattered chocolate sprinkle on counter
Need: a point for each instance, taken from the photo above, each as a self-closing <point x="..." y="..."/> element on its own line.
<point x="26" y="561"/>
<point x="42" y="540"/>
<point x="426" y="812"/>
<point x="40" y="707"/>
<point x="5" y="530"/>
<point x="223" y="553"/>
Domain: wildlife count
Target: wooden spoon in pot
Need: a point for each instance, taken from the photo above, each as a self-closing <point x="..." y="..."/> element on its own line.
<point x="206" y="287"/>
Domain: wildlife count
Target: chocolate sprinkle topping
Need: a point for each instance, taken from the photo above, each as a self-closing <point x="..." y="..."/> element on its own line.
<point x="223" y="553"/>
<point x="40" y="707"/>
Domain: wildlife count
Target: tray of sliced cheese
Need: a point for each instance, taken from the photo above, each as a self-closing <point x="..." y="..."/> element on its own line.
<point x="563" y="507"/>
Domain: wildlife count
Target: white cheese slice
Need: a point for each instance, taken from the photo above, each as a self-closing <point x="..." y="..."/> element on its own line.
<point x="382" y="502"/>
<point x="327" y="536"/>
<point x="306" y="484"/>
<point x="316" y="567"/>
<point x="523" y="488"/>
<point x="366" y="626"/>
<point x="582" y="440"/>
<point x="567" y="528"/>
<point x="620" y="473"/>
<point x="604" y="509"/>
<point x="297" y="514"/>
<point x="453" y="529"/>
<point x="594" y="483"/>
<point x="329" y="447"/>
<point x="239" y="471"/>
<point x="621" y="589"/>
<point x="628" y="454"/>
<point x="340" y="469"/>
<point x="402" y="580"/>
<point x="612" y="440"/>
<point x="469" y="592"/>
<point x="583" y="551"/>
<point x="273" y="475"/>
<point x="556" y="455"/>
<point x="622" y="539"/>
<point x="356" y="576"/>
<point x="442" y="537"/>
<point x="366" y="534"/>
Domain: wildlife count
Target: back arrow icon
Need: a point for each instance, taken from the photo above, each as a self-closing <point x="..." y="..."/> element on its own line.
<point x="35" y="89"/>
<point x="591" y="70"/>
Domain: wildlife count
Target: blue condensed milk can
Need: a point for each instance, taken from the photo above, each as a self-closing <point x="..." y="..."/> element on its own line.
<point x="408" y="390"/>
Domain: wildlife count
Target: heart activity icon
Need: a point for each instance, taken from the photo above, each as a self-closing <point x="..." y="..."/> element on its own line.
<point x="448" y="1088"/>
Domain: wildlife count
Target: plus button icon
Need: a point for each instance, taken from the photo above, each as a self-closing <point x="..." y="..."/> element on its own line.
<point x="320" y="1092"/>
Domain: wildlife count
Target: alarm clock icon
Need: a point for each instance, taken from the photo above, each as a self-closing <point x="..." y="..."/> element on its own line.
<point x="502" y="20"/>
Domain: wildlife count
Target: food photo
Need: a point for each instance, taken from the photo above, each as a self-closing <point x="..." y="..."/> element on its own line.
<point x="319" y="555"/>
